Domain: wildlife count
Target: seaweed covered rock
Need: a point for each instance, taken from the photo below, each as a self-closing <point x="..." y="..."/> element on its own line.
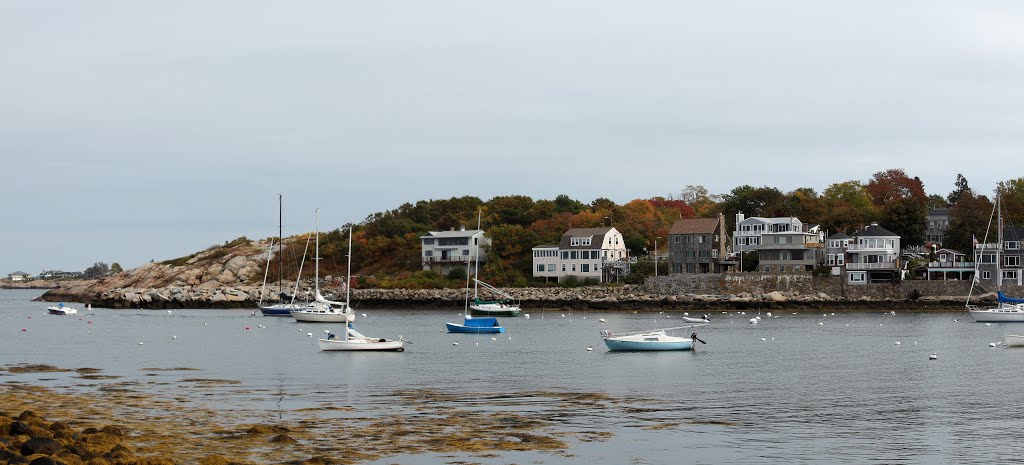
<point x="45" y="446"/>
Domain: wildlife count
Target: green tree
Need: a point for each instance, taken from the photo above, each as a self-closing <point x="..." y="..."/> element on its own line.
<point x="960" y="188"/>
<point x="116" y="268"/>
<point x="804" y="203"/>
<point x="906" y="217"/>
<point x="97" y="270"/>
<point x="1011" y="195"/>
<point x="935" y="202"/>
<point x="752" y="201"/>
<point x="848" y="206"/>
<point x="968" y="219"/>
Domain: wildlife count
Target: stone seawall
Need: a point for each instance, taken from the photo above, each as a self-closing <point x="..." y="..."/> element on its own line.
<point x="676" y="292"/>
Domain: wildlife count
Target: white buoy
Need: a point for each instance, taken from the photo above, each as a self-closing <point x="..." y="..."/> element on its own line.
<point x="823" y="314"/>
<point x="527" y="315"/>
<point x="753" y="321"/>
<point x="601" y="320"/>
<point x="893" y="313"/>
<point x="773" y="338"/>
<point x="668" y="316"/>
<point x="455" y="343"/>
<point x="478" y="344"/>
<point x="821" y="324"/>
<point x="90" y="331"/>
<point x="988" y="324"/>
<point x="763" y="339"/>
<point x="168" y="311"/>
<point x="327" y="331"/>
<point x="769" y="313"/>
<point x="991" y="344"/>
<point x="590" y="349"/>
<point x="743" y="313"/>
<point x="563" y="315"/>
<point x="140" y="343"/>
<point x="174" y="337"/>
<point x="510" y="338"/>
<point x="758" y="317"/>
<point x="686" y="313"/>
<point x="494" y="339"/>
<point x="204" y="323"/>
<point x="364" y="315"/>
<point x="833" y="314"/>
<point x="897" y="342"/>
<point x="309" y="334"/>
<point x="933" y="357"/>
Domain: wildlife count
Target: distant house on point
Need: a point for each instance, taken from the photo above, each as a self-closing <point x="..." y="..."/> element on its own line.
<point x="19" y="276"/>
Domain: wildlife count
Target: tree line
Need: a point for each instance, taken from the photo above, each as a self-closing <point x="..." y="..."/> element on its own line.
<point x="387" y="244"/>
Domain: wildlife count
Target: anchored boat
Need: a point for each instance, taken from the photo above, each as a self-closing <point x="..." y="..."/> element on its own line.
<point x="476" y="325"/>
<point x="650" y="340"/>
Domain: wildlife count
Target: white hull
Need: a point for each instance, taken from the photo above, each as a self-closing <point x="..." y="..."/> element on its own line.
<point x="1004" y="314"/>
<point x="319" y="316"/>
<point x="55" y="310"/>
<point x="1014" y="340"/>
<point x="354" y="344"/>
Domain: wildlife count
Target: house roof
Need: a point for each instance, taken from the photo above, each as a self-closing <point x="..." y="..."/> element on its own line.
<point x="874" y="230"/>
<point x="466" y="233"/>
<point x="775" y="220"/>
<point x="546" y="246"/>
<point x="939" y="212"/>
<point x="839" y="235"/>
<point x="950" y="251"/>
<point x="19" y="273"/>
<point x="1013" y="233"/>
<point x="596" y="236"/>
<point x="694" y="226"/>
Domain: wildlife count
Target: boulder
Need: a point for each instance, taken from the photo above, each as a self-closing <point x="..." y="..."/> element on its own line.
<point x="775" y="296"/>
<point x="45" y="446"/>
<point x="44" y="461"/>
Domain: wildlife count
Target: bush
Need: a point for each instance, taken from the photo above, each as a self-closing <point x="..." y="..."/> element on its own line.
<point x="457" y="274"/>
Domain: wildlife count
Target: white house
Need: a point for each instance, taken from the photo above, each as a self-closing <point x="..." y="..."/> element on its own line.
<point x="747" y="236"/>
<point x="873" y="256"/>
<point x="444" y="250"/>
<point x="586" y="253"/>
<point x="19" y="276"/>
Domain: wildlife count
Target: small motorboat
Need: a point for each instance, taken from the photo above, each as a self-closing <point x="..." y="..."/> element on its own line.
<point x="61" y="309"/>
<point x="353" y="341"/>
<point x="1014" y="340"/>
<point x="650" y="340"/>
<point x="476" y="325"/>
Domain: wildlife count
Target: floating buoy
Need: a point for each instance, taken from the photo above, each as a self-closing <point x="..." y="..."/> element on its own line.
<point x="246" y="328"/>
<point x="773" y="338"/>
<point x="140" y="343"/>
<point x="988" y="324"/>
<point x="510" y="338"/>
<point x="300" y="330"/>
<point x="743" y="313"/>
<point x="23" y="330"/>
<point x="527" y="315"/>
<point x="686" y="313"/>
<point x="90" y="331"/>
<point x="823" y="314"/>
<point x="897" y="342"/>
<point x="833" y="314"/>
<point x="261" y="326"/>
<point x="992" y="344"/>
<point x="821" y="324"/>
<point x="563" y="315"/>
<point x="364" y="315"/>
<point x="668" y="316"/>
<point x="172" y="337"/>
<point x="601" y="320"/>
<point x="753" y="321"/>
<point x="309" y="334"/>
<point x="933" y="357"/>
<point x="204" y="323"/>
<point x="763" y="339"/>
<point x="769" y="313"/>
<point x="455" y="343"/>
<point x="170" y="311"/>
<point x="893" y="313"/>
<point x="758" y="317"/>
<point x="590" y="349"/>
<point x="478" y="344"/>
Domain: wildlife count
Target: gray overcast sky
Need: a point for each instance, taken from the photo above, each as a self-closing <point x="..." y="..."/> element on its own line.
<point x="134" y="130"/>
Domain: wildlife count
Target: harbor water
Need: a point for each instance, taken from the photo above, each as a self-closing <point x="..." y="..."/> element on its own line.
<point x="807" y="387"/>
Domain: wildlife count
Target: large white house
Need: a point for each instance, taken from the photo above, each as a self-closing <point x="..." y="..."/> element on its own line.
<point x="444" y="250"/>
<point x="594" y="253"/>
<point x="873" y="256"/>
<point x="19" y="276"/>
<point x="747" y="236"/>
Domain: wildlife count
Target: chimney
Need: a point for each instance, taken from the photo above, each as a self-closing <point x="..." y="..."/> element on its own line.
<point x="739" y="219"/>
<point x="462" y="228"/>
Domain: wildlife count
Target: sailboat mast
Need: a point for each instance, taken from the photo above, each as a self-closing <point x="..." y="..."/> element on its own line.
<point x="348" y="280"/>
<point x="999" y="246"/>
<point x="316" y="280"/>
<point x="476" y="270"/>
<point x="280" y="256"/>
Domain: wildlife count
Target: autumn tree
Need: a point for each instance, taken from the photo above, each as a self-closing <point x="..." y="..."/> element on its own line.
<point x="891" y="185"/>
<point x="848" y="207"/>
<point x="804" y="203"/>
<point x="704" y="205"/>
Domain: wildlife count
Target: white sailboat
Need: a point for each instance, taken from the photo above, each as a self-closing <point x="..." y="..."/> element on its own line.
<point x="1007" y="309"/>
<point x="352" y="340"/>
<point x="504" y="305"/>
<point x="322" y="310"/>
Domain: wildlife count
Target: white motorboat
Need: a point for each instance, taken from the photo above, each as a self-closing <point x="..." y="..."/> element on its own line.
<point x="61" y="309"/>
<point x="353" y="341"/>
<point x="1013" y="340"/>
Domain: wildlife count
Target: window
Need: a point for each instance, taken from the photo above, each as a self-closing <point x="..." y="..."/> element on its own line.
<point x="1011" y="260"/>
<point x="428" y="241"/>
<point x="429" y="253"/>
<point x="840" y="259"/>
<point x="585" y="268"/>
<point x="540" y="267"/>
<point x="766" y="268"/>
<point x="574" y="267"/>
<point x="700" y="239"/>
<point x="714" y="253"/>
<point x="831" y="259"/>
<point x="465" y="252"/>
<point x="551" y="267"/>
<point x="563" y="268"/>
<point x="1010" y="275"/>
<point x="986" y="275"/>
<point x="676" y="239"/>
<point x="1012" y="245"/>
<point x="565" y="255"/>
<point x="572" y="256"/>
<point x="857" y="277"/>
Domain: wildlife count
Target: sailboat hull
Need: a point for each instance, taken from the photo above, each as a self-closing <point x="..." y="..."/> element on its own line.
<point x="1003" y="314"/>
<point x="457" y="328"/>
<point x="493" y="310"/>
<point x="633" y="346"/>
<point x="356" y="345"/>
<point x="280" y="309"/>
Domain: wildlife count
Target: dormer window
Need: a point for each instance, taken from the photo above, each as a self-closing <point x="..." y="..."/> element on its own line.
<point x="579" y="241"/>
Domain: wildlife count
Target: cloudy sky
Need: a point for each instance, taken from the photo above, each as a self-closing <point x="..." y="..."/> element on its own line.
<point x="132" y="131"/>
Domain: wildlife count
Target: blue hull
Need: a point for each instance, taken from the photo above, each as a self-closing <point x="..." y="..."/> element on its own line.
<point x="643" y="346"/>
<point x="456" y="328"/>
<point x="275" y="311"/>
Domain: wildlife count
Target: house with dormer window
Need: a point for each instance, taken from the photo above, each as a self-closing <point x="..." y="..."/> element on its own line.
<point x="586" y="253"/>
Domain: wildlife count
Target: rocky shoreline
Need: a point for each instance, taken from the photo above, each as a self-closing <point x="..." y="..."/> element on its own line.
<point x="625" y="297"/>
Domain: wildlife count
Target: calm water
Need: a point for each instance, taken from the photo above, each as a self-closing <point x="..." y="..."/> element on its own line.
<point x="841" y="392"/>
